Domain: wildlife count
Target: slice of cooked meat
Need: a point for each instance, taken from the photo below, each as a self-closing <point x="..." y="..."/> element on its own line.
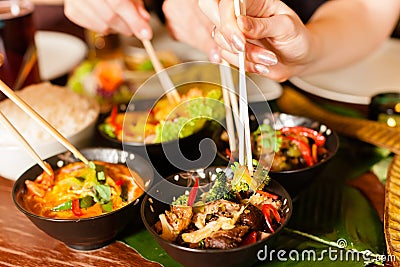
<point x="252" y="217"/>
<point x="179" y="217"/>
<point x="225" y="239"/>
<point x="219" y="208"/>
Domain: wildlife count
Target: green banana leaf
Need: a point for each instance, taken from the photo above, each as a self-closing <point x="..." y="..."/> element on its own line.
<point x="329" y="211"/>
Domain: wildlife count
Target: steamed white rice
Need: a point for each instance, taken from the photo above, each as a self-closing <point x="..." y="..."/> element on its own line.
<point x="65" y="110"/>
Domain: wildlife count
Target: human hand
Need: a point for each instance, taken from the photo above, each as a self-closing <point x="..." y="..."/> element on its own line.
<point x="186" y="23"/>
<point x="276" y="42"/>
<point x="128" y="17"/>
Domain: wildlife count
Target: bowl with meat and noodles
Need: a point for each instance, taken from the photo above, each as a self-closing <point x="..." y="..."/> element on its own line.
<point x="295" y="149"/>
<point x="158" y="129"/>
<point x="85" y="206"/>
<point x="216" y="216"/>
<point x="73" y="115"/>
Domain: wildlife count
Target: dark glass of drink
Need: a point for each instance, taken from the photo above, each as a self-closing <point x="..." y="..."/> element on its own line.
<point x="17" y="35"/>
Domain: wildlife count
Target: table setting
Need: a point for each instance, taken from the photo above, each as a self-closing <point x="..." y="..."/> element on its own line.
<point x="338" y="206"/>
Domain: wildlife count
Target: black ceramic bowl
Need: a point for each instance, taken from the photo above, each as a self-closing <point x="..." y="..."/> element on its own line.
<point x="94" y="232"/>
<point x="294" y="181"/>
<point x="153" y="204"/>
<point x="172" y="156"/>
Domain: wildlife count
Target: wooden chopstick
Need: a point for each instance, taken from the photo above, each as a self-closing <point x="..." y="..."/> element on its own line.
<point x="166" y="83"/>
<point x="244" y="137"/>
<point x="39" y="119"/>
<point x="7" y="124"/>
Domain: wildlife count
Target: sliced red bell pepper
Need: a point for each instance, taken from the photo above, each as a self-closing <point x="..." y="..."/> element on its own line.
<point x="268" y="219"/>
<point x="76" y="209"/>
<point x="267" y="209"/>
<point x="193" y="193"/>
<point x="274" y="197"/>
<point x="274" y="211"/>
<point x="249" y="239"/>
<point x="304" y="150"/>
<point x="113" y="120"/>
<point x="318" y="138"/>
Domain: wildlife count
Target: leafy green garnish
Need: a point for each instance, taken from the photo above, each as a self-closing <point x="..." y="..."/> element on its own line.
<point x="102" y="194"/>
<point x="269" y="139"/>
<point x="86" y="202"/>
<point x="146" y="65"/>
<point x="63" y="206"/>
<point x="107" y="207"/>
<point x="108" y="129"/>
<point x="101" y="176"/>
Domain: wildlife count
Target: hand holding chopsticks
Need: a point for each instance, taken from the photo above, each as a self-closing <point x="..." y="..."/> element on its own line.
<point x="39" y="119"/>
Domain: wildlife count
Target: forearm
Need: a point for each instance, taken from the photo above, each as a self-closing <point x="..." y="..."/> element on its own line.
<point x="344" y="31"/>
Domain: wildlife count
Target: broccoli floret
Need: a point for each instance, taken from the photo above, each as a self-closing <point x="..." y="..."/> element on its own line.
<point x="220" y="188"/>
<point x="242" y="187"/>
<point x="181" y="200"/>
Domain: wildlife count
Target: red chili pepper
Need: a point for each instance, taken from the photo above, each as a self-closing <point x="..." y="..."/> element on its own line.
<point x="113" y="120"/>
<point x="119" y="182"/>
<point x="249" y="239"/>
<point x="113" y="115"/>
<point x="76" y="209"/>
<point x="304" y="150"/>
<point x="274" y="211"/>
<point x="274" y="197"/>
<point x="229" y="153"/>
<point x="318" y="138"/>
<point x="314" y="153"/>
<point x="268" y="219"/>
<point x="193" y="193"/>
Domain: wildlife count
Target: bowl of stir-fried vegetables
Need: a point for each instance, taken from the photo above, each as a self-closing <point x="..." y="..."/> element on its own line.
<point x="155" y="127"/>
<point x="295" y="149"/>
<point x="85" y="205"/>
<point x="216" y="216"/>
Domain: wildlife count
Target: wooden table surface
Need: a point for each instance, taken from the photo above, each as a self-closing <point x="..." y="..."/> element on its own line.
<point x="23" y="244"/>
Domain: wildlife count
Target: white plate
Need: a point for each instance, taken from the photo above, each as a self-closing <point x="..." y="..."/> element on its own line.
<point x="58" y="53"/>
<point x="267" y="89"/>
<point x="259" y="88"/>
<point x="357" y="83"/>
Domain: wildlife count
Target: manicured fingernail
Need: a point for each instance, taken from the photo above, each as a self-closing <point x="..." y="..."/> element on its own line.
<point x="267" y="59"/>
<point x="214" y="56"/>
<point x="237" y="43"/>
<point x="261" y="69"/>
<point x="145" y="34"/>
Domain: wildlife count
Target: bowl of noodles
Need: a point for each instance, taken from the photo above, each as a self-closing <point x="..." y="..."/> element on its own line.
<point x="84" y="205"/>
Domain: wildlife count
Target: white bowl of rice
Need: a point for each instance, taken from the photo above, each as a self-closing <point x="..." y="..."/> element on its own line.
<point x="71" y="114"/>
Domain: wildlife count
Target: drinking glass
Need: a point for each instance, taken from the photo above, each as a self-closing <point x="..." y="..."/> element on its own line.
<point x="17" y="45"/>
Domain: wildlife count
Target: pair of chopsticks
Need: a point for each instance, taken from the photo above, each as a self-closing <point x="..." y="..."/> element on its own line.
<point x="39" y="119"/>
<point x="242" y="124"/>
<point x="166" y="83"/>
